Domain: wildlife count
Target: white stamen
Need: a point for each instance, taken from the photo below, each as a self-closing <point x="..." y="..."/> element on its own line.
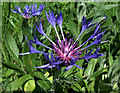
<point x="50" y="40"/>
<point x="25" y="53"/>
<point x="57" y="35"/>
<point x="62" y="34"/>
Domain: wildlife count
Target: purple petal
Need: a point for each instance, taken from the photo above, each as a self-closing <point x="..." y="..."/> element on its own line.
<point x="36" y="13"/>
<point x="38" y="42"/>
<point x="87" y="61"/>
<point x="40" y="28"/>
<point x="51" y="19"/>
<point x="90" y="52"/>
<point x="46" y="56"/>
<point x="32" y="50"/>
<point x="84" y="27"/>
<point x="27" y="9"/>
<point x="57" y="63"/>
<point x="95" y="55"/>
<point x="84" y="21"/>
<point x="97" y="27"/>
<point x="73" y="61"/>
<point x="41" y="7"/>
<point x="78" y="66"/>
<point x="98" y="39"/>
<point x="49" y="67"/>
<point x="43" y="66"/>
<point x="35" y="6"/>
<point x="106" y="17"/>
<point x="90" y="25"/>
<point x="68" y="67"/>
<point x="58" y="67"/>
<point x="52" y="57"/>
<point x="19" y="9"/>
<point x="59" y="20"/>
<point x="14" y="11"/>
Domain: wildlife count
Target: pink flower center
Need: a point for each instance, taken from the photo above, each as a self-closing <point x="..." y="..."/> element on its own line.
<point x="65" y="50"/>
<point x="26" y="16"/>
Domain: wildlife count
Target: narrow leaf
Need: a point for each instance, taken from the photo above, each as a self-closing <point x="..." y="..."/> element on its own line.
<point x="13" y="66"/>
<point x="13" y="86"/>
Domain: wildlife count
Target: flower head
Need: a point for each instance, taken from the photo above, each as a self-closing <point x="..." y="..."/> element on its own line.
<point x="29" y="11"/>
<point x="67" y="52"/>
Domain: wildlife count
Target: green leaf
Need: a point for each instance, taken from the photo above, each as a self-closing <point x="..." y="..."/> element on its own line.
<point x="86" y="85"/>
<point x="12" y="47"/>
<point x="3" y="53"/>
<point x="97" y="20"/>
<point x="26" y="29"/>
<point x="95" y="74"/>
<point x="92" y="86"/>
<point x="72" y="25"/>
<point x="28" y="59"/>
<point x="68" y="72"/>
<point x="12" y="23"/>
<point x="79" y="73"/>
<point x="101" y="10"/>
<point x="13" y="66"/>
<point x="95" y="13"/>
<point x="105" y="87"/>
<point x="13" y="86"/>
<point x="50" y="79"/>
<point x="43" y="82"/>
<point x="48" y="32"/>
<point x="118" y="14"/>
<point x="90" y="67"/>
<point x="47" y="74"/>
<point x="8" y="73"/>
<point x="110" y="58"/>
<point x="115" y="70"/>
<point x="11" y="43"/>
<point x="29" y="85"/>
<point x="95" y="3"/>
<point x="82" y="12"/>
<point x="76" y="87"/>
<point x="108" y="7"/>
<point x="112" y="67"/>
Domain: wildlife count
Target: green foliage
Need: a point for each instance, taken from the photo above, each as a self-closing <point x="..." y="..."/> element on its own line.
<point x="29" y="86"/>
<point x="18" y="82"/>
<point x="19" y="73"/>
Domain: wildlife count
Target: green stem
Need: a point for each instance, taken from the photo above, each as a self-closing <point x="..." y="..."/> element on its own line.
<point x="56" y="73"/>
<point x="26" y="29"/>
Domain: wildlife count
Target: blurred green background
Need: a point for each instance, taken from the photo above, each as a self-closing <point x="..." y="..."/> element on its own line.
<point x="18" y="72"/>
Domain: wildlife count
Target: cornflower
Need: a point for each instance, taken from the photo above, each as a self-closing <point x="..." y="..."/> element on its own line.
<point x="66" y="52"/>
<point x="29" y="11"/>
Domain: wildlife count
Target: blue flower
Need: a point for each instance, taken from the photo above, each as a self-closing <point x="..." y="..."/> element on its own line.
<point x="29" y="11"/>
<point x="66" y="52"/>
<point x="51" y="18"/>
